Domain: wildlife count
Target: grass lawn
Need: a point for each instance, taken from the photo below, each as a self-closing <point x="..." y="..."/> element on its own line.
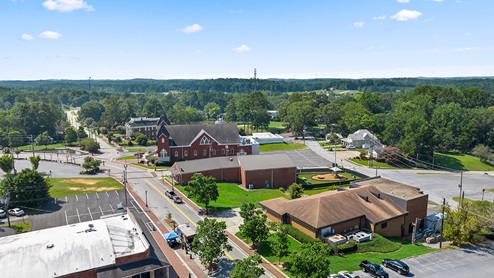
<point x="50" y="147"/>
<point x="327" y="145"/>
<point x="136" y="149"/>
<point x="62" y="187"/>
<point x="21" y="227"/>
<point x="459" y="161"/>
<point x="278" y="125"/>
<point x="232" y="196"/>
<point x="127" y="157"/>
<point x="365" y="163"/>
<point x="281" y="147"/>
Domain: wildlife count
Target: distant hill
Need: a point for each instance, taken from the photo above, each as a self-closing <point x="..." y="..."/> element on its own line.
<point x="231" y="85"/>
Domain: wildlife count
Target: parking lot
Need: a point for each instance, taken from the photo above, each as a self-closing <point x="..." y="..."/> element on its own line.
<point x="79" y="208"/>
<point x="471" y="261"/>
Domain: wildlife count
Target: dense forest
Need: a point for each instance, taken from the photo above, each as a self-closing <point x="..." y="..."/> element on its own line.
<point x="233" y="85"/>
<point x="419" y="116"/>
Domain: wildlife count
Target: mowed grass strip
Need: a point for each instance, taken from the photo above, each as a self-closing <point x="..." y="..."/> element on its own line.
<point x="62" y="187"/>
<point x="281" y="147"/>
<point x="459" y="161"/>
<point x="232" y="196"/>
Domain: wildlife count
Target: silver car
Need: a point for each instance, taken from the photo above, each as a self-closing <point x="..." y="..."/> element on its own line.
<point x="16" y="212"/>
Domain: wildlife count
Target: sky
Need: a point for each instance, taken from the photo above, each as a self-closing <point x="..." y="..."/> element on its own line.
<point x="200" y="39"/>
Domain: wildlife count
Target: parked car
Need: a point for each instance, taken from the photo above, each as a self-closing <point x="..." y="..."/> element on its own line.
<point x="335" y="276"/>
<point x="374" y="270"/>
<point x="16" y="211"/>
<point x="170" y="194"/>
<point x="2" y="213"/>
<point x="396" y="265"/>
<point x="350" y="147"/>
<point x="348" y="274"/>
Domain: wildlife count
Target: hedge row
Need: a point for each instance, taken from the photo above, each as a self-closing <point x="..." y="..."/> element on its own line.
<point x="299" y="235"/>
<point x="347" y="247"/>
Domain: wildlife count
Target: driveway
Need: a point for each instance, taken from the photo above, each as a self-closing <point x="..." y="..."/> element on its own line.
<point x="470" y="261"/>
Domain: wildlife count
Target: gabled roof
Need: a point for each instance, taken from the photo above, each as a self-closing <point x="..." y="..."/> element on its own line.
<point x="163" y="119"/>
<point x="206" y="164"/>
<point x="362" y="135"/>
<point x="265" y="161"/>
<point x="163" y="131"/>
<point x="334" y="207"/>
<point x="184" y="135"/>
<point x="142" y="121"/>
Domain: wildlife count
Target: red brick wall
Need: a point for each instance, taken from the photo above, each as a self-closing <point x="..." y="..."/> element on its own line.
<point x="133" y="258"/>
<point x="86" y="274"/>
<point x="228" y="174"/>
<point x="276" y="177"/>
<point x="417" y="208"/>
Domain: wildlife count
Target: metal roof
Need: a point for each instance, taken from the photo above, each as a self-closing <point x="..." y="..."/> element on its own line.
<point x="206" y="164"/>
<point x="265" y="161"/>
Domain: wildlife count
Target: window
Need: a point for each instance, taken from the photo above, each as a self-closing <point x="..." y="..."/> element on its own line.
<point x="232" y="151"/>
<point x="222" y="151"/>
<point x="204" y="141"/>
<point x="214" y="152"/>
<point x="384" y="225"/>
<point x="195" y="152"/>
<point x="205" y="152"/>
<point x="186" y="153"/>
<point x="176" y="153"/>
<point x="163" y="140"/>
<point x="163" y="153"/>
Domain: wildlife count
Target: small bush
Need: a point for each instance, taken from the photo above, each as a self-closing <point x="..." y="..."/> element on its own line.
<point x="130" y="144"/>
<point x="379" y="244"/>
<point x="347" y="247"/>
<point x="282" y="189"/>
<point x="299" y="235"/>
<point x="103" y="130"/>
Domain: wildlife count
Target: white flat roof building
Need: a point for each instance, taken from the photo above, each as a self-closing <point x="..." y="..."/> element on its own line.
<point x="70" y="249"/>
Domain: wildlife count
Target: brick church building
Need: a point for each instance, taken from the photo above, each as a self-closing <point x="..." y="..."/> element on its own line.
<point x="196" y="141"/>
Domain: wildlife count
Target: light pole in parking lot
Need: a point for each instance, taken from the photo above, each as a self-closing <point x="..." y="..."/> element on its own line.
<point x="125" y="185"/>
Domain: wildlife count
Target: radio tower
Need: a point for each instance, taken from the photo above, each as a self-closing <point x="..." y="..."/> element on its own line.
<point x="255" y="82"/>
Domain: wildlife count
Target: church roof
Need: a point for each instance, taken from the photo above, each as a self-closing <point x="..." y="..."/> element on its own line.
<point x="184" y="135"/>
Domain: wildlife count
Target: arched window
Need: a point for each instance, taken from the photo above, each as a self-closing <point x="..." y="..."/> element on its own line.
<point x="204" y="141"/>
<point x="205" y="152"/>
<point x="186" y="153"/>
<point x="195" y="152"/>
<point x="163" y="153"/>
<point x="163" y="140"/>
<point x="176" y="153"/>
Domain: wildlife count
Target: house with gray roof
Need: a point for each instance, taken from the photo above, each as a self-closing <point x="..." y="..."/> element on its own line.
<point x="364" y="139"/>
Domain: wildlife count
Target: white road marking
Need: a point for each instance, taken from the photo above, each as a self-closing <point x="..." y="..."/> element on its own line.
<point x="66" y="218"/>
<point x="66" y="199"/>
<point x="112" y="208"/>
<point x="97" y="196"/>
<point x="87" y="196"/>
<point x="78" y="215"/>
<point x="90" y="214"/>
<point x="107" y="194"/>
<point x="76" y="198"/>
<point x="101" y="210"/>
<point x="116" y="192"/>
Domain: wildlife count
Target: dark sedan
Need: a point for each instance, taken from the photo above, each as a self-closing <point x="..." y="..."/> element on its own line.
<point x="396" y="265"/>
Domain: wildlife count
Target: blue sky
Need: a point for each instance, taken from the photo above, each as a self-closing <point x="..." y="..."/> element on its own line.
<point x="166" y="39"/>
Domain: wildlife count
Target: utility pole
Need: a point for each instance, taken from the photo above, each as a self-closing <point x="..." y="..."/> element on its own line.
<point x="414" y="229"/>
<point x="125" y="185"/>
<point x="255" y="81"/>
<point x="461" y="182"/>
<point x="442" y="225"/>
<point x="146" y="198"/>
<point x="32" y="142"/>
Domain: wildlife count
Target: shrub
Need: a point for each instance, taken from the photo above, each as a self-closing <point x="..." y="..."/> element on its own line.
<point x="103" y="130"/>
<point x="379" y="244"/>
<point x="347" y="247"/>
<point x="282" y="189"/>
<point x="299" y="235"/>
<point x="121" y="129"/>
<point x="130" y="144"/>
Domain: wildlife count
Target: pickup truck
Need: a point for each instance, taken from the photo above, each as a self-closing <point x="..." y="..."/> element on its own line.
<point x="373" y="269"/>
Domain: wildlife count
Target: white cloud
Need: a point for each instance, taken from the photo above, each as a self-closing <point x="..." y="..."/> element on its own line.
<point x="466" y="49"/>
<point x="50" y="35"/>
<point x="467" y="34"/>
<point x="438" y="1"/>
<point x="67" y="5"/>
<point x="191" y="28"/>
<point x="403" y="1"/>
<point x="358" y="24"/>
<point x="381" y="17"/>
<point x="242" y="48"/>
<point x="26" y="37"/>
<point x="405" y="15"/>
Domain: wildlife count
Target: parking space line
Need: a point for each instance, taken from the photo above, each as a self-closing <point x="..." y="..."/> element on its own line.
<point x="76" y="198"/>
<point x="112" y="208"/>
<point x="97" y="196"/>
<point x="107" y="194"/>
<point x="90" y="214"/>
<point x="117" y="193"/>
<point x="101" y="210"/>
<point x="87" y="196"/>
<point x="66" y="218"/>
<point x="78" y="215"/>
<point x="66" y="200"/>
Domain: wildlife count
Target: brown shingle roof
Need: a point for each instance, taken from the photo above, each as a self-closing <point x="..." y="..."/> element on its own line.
<point x="393" y="188"/>
<point x="183" y="135"/>
<point x="333" y="207"/>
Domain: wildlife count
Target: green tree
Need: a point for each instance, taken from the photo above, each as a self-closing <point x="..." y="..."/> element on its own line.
<point x="210" y="241"/>
<point x="481" y="151"/>
<point x="300" y="115"/>
<point x="142" y="140"/>
<point x="279" y="241"/>
<point x="203" y="188"/>
<point x="91" y="165"/>
<point x="465" y="224"/>
<point x="81" y="133"/>
<point x="88" y="144"/>
<point x="212" y="110"/>
<point x="92" y="109"/>
<point x="295" y="191"/>
<point x="16" y="138"/>
<point x="28" y="188"/>
<point x="34" y="161"/>
<point x="231" y="111"/>
<point x="70" y="135"/>
<point x="43" y="139"/>
<point x="152" y="108"/>
<point x="254" y="226"/>
<point x="248" y="268"/>
<point x="312" y="260"/>
<point x="6" y="163"/>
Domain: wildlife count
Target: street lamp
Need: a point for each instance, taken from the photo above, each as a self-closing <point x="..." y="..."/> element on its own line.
<point x="483" y="191"/>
